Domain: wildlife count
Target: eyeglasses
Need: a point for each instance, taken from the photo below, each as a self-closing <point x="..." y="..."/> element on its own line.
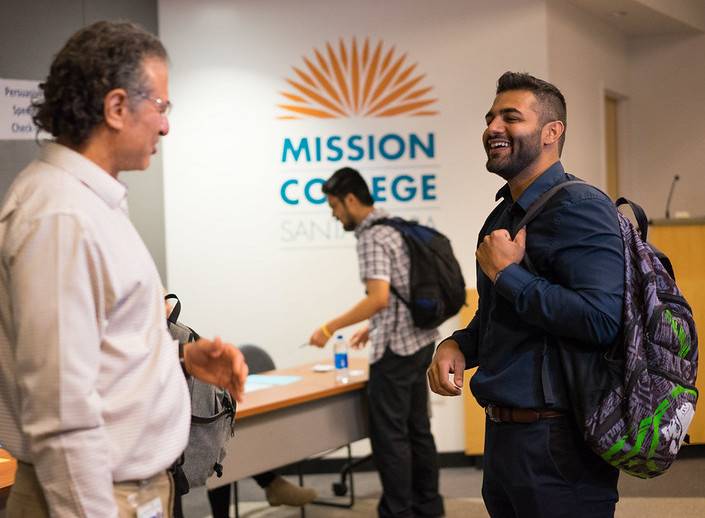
<point x="162" y="106"/>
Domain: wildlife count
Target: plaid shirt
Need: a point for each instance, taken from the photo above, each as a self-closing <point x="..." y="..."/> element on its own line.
<point x="382" y="254"/>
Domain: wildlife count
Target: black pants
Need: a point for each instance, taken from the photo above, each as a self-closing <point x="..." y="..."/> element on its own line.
<point x="400" y="433"/>
<point x="545" y="470"/>
<point x="219" y="498"/>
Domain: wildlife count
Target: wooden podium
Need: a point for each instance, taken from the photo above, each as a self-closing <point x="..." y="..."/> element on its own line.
<point x="683" y="241"/>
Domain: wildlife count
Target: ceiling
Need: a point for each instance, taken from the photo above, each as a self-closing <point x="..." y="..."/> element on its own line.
<point x="635" y="18"/>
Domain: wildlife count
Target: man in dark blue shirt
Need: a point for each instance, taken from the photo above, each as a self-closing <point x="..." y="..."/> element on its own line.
<point x="535" y="462"/>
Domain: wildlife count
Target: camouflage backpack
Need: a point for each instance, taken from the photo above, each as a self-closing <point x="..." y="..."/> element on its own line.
<point x="634" y="403"/>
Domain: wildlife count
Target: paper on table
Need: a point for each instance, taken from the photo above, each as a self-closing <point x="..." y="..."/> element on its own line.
<point x="267" y="379"/>
<point x="257" y="382"/>
<point x="253" y="387"/>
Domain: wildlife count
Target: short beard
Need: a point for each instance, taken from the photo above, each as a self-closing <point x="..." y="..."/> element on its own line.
<point x="511" y="166"/>
<point x="349" y="224"/>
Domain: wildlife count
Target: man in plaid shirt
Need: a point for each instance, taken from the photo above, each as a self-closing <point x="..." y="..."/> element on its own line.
<point x="400" y="431"/>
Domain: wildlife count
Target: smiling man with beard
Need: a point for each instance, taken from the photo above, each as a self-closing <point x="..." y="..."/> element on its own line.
<point x="535" y="462"/>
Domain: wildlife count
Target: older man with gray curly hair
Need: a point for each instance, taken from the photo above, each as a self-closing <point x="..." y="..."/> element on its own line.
<point x="93" y="402"/>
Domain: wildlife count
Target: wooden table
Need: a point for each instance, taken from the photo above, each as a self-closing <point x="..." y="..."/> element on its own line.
<point x="8" y="466"/>
<point x="284" y="424"/>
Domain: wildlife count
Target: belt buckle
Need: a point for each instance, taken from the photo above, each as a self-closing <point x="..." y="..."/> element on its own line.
<point x="490" y="416"/>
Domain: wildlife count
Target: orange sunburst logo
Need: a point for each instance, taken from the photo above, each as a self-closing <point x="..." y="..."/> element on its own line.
<point x="353" y="81"/>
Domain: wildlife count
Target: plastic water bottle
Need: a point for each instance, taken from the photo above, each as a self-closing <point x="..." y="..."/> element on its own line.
<point x="340" y="351"/>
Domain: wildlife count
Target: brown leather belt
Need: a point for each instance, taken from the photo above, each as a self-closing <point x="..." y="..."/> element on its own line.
<point x="500" y="414"/>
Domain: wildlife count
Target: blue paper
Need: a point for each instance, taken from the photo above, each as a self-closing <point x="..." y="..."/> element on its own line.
<point x="264" y="379"/>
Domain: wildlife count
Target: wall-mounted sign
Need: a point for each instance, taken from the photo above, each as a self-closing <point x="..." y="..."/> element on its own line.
<point x="361" y="80"/>
<point x="357" y="81"/>
<point x="281" y="94"/>
<point x="15" y="109"/>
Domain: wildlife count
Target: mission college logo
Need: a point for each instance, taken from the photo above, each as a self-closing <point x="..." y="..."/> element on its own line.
<point x="361" y="104"/>
<point x="356" y="81"/>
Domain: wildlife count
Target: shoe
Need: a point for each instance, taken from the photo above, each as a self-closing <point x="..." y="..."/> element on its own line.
<point x="281" y="492"/>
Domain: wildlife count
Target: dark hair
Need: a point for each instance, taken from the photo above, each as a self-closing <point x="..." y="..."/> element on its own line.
<point x="553" y="107"/>
<point x="95" y="60"/>
<point x="348" y="181"/>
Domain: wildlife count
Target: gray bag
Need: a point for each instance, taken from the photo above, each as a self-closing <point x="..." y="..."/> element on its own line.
<point x="212" y="416"/>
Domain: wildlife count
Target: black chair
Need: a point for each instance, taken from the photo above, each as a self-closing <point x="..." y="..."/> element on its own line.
<point x="257" y="358"/>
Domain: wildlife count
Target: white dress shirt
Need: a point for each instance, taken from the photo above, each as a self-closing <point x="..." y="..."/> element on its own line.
<point x="91" y="391"/>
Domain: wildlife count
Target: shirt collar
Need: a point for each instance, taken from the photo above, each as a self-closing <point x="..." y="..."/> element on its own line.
<point x="543" y="183"/>
<point x="369" y="219"/>
<point x="111" y="191"/>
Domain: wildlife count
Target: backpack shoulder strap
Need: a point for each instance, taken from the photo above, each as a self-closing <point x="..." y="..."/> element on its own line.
<point x="174" y="315"/>
<point x="390" y="222"/>
<point x="641" y="219"/>
<point x="538" y="205"/>
<point x="396" y="224"/>
<point x="535" y="209"/>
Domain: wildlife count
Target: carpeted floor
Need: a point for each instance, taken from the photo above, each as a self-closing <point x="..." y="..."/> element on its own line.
<point x="473" y="508"/>
<point x="680" y="493"/>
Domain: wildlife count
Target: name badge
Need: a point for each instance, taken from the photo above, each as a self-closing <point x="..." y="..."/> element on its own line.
<point x="152" y="509"/>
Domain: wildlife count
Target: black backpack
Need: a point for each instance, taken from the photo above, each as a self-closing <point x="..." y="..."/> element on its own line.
<point x="437" y="284"/>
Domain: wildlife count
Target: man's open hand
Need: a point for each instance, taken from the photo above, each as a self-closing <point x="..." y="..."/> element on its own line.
<point x="218" y="363"/>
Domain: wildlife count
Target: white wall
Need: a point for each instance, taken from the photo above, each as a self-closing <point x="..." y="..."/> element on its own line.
<point x="586" y="58"/>
<point x="667" y="128"/>
<point x="222" y="166"/>
<point x="661" y="80"/>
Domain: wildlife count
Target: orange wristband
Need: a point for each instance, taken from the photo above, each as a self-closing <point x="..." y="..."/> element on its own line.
<point x="326" y="332"/>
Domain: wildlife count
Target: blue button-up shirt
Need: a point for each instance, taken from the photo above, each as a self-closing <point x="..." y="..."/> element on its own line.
<point x="575" y="246"/>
